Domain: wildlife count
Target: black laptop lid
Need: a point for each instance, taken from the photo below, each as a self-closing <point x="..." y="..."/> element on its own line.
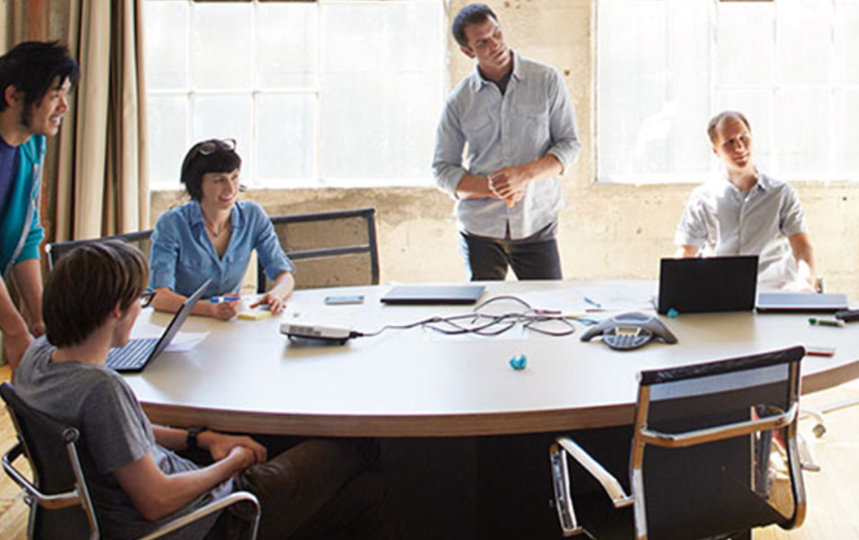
<point x="708" y="284"/>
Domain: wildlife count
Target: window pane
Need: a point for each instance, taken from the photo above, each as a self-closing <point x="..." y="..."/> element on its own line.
<point x="745" y="42"/>
<point x="652" y="90"/>
<point x="802" y="132"/>
<point x="687" y="101"/>
<point x="791" y="66"/>
<point x="397" y="70"/>
<point x="847" y="41"/>
<point x="224" y="117"/>
<point x="846" y="103"/>
<point x="803" y="41"/>
<point x="286" y="44"/>
<point x="286" y="137"/>
<point x="621" y="113"/>
<point x="386" y="137"/>
<point x="221" y="52"/>
<point x="253" y="70"/>
<point x="167" y="128"/>
<point x="166" y="42"/>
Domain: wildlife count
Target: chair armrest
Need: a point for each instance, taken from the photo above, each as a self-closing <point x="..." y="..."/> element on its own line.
<point x="608" y="482"/>
<point x="561" y="484"/>
<point x="52" y="502"/>
<point x="212" y="507"/>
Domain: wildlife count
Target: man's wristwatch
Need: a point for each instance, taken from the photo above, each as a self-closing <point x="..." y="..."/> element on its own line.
<point x="191" y="439"/>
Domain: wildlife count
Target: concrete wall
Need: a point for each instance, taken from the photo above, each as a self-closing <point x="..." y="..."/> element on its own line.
<point x="607" y="231"/>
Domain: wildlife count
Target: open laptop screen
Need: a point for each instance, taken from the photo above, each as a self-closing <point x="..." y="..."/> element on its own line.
<point x="708" y="284"/>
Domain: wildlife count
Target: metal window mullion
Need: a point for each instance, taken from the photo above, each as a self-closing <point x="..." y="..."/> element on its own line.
<point x="713" y="57"/>
<point x="254" y="91"/>
<point x="775" y="155"/>
<point x="189" y="104"/>
<point x="320" y="65"/>
<point x="669" y="66"/>
<point x="831" y="148"/>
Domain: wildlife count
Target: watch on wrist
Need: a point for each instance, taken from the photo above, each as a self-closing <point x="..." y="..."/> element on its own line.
<point x="191" y="439"/>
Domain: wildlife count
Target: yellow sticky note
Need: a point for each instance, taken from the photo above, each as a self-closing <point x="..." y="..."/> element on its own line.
<point x="254" y="315"/>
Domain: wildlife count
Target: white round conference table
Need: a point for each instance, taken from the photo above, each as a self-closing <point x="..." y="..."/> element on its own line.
<point x="246" y="376"/>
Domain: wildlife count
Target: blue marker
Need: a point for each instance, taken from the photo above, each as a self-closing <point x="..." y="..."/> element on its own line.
<point x="219" y="299"/>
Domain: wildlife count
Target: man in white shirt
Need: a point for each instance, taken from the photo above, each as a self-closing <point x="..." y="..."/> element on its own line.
<point x="745" y="212"/>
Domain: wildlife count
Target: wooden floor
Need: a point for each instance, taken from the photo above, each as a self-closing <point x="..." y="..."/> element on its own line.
<point x="833" y="509"/>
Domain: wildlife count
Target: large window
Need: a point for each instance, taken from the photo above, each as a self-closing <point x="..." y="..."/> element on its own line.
<point x="664" y="67"/>
<point x="326" y="93"/>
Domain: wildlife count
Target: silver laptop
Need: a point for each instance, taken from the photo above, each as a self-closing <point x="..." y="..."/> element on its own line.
<point x="134" y="355"/>
<point x="785" y="302"/>
<point x="433" y="294"/>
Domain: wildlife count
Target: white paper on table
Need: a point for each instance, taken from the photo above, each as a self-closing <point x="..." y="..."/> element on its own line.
<point x="185" y="341"/>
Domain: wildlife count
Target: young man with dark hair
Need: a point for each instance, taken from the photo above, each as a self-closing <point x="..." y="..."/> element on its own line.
<point x="35" y="81"/>
<point x="745" y="212"/>
<point x="516" y="118"/>
<point x="316" y="489"/>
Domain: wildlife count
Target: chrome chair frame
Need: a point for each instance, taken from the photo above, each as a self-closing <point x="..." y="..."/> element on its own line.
<point x="643" y="436"/>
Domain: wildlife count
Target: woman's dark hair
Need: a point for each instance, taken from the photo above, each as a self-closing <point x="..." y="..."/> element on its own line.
<point x="33" y="66"/>
<point x="86" y="284"/>
<point x="209" y="156"/>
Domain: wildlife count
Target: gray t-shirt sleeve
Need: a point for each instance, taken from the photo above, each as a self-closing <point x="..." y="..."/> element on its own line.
<point x="116" y="430"/>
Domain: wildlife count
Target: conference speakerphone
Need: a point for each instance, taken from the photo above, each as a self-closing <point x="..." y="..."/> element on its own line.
<point x="334" y="334"/>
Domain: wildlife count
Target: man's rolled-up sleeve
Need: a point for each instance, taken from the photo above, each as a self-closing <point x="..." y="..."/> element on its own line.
<point x="447" y="159"/>
<point x="563" y="127"/>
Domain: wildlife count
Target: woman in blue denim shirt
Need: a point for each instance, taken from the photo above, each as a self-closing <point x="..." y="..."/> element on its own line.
<point x="212" y="237"/>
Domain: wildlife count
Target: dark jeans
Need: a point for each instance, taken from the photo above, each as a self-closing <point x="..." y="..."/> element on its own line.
<point x="320" y="488"/>
<point x="486" y="259"/>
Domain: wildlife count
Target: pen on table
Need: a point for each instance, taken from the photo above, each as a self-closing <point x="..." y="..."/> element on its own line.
<point x="219" y="299"/>
<point x="826" y="322"/>
<point x="591" y="302"/>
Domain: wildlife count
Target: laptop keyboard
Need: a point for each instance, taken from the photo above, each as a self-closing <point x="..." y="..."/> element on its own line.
<point x="132" y="356"/>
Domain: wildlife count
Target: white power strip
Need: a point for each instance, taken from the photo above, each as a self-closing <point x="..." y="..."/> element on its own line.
<point x="314" y="331"/>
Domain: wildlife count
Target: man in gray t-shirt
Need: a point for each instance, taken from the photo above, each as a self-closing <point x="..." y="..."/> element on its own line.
<point x="93" y="397"/>
<point x="316" y="489"/>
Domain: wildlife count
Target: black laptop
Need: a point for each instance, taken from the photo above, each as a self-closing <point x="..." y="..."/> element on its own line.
<point x="134" y="355"/>
<point x="433" y="294"/>
<point x="708" y="284"/>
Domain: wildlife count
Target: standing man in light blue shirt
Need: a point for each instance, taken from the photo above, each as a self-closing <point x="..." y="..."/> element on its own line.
<point x="517" y="120"/>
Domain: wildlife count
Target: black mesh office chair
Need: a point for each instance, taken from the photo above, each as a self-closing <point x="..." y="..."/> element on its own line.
<point x="714" y="451"/>
<point x="59" y="500"/>
<point x="140" y="239"/>
<point x="329" y="249"/>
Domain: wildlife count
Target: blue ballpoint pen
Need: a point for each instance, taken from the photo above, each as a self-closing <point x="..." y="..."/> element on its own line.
<point x="591" y="302"/>
<point x="219" y="299"/>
